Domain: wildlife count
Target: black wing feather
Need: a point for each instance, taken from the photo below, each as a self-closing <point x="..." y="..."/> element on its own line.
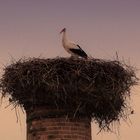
<point x="79" y="51"/>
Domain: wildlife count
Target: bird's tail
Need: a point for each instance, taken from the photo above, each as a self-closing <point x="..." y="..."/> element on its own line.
<point x="86" y="56"/>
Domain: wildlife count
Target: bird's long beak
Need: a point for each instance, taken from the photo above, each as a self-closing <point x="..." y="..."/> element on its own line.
<point x="63" y="30"/>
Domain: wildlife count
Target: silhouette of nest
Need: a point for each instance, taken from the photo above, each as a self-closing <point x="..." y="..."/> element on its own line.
<point x="94" y="88"/>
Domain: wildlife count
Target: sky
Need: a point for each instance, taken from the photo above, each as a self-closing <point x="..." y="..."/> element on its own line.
<point x="30" y="28"/>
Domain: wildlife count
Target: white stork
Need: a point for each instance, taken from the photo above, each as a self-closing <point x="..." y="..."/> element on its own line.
<point x="74" y="49"/>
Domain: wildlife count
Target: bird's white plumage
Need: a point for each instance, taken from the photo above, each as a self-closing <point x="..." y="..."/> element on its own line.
<point x="72" y="48"/>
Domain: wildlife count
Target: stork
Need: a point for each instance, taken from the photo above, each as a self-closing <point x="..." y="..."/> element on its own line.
<point x="74" y="49"/>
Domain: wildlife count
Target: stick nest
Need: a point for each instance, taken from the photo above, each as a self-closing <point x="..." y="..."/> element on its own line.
<point x="92" y="88"/>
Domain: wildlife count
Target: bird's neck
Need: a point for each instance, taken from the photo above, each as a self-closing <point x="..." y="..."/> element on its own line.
<point x="64" y="39"/>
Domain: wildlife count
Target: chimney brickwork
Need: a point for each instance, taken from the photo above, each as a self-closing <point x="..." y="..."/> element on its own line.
<point x="60" y="128"/>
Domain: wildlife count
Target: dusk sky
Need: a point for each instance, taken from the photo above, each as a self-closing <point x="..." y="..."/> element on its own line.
<point x="30" y="28"/>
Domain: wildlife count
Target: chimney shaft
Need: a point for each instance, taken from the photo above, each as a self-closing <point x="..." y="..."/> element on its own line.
<point x="40" y="127"/>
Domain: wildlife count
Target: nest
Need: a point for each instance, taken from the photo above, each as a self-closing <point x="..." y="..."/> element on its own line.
<point x="93" y="88"/>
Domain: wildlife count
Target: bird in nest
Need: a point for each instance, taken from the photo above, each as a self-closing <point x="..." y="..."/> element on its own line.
<point x="74" y="49"/>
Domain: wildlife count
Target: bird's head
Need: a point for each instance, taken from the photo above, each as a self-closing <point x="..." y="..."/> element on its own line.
<point x="63" y="30"/>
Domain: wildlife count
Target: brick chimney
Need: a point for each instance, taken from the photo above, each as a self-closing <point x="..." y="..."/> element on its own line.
<point x="44" y="124"/>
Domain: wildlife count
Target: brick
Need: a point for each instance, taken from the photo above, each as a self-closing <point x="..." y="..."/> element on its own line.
<point x="58" y="129"/>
